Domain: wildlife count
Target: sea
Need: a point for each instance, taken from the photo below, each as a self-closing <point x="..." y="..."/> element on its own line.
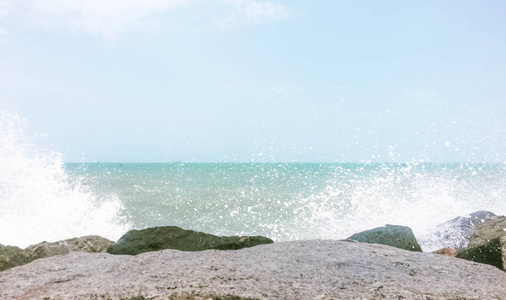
<point x="42" y="198"/>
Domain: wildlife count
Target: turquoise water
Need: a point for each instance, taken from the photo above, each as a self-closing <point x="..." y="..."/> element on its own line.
<point x="292" y="201"/>
<point x="42" y="198"/>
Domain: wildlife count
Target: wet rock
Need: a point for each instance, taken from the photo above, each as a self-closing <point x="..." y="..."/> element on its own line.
<point x="487" y="244"/>
<point x="91" y="243"/>
<point x="446" y="251"/>
<point x="456" y="232"/>
<point x="401" y="237"/>
<point x="172" y="237"/>
<point x="11" y="257"/>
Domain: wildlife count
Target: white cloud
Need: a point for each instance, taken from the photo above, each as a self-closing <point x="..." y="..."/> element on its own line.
<point x="98" y="17"/>
<point x="4" y="11"/>
<point x="110" y="18"/>
<point x="5" y="7"/>
<point x="250" y="12"/>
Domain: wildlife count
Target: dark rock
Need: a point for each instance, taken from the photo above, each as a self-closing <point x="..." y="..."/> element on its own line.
<point x="488" y="243"/>
<point x="91" y="243"/>
<point x="401" y="237"/>
<point x="456" y="232"/>
<point x="11" y="257"/>
<point x="172" y="237"/>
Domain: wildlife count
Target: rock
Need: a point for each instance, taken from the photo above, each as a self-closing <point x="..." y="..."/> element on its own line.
<point x="446" y="251"/>
<point x="454" y="233"/>
<point x="401" y="237"/>
<point x="14" y="256"/>
<point x="321" y="269"/>
<point x="488" y="243"/>
<point x="11" y="257"/>
<point x="172" y="237"/>
<point x="91" y="243"/>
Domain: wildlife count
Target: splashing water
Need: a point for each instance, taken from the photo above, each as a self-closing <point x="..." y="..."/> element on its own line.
<point x="43" y="199"/>
<point x="298" y="201"/>
<point x="39" y="201"/>
<point x="420" y="196"/>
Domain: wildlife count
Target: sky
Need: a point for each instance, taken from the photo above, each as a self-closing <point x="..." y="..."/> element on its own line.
<point x="258" y="81"/>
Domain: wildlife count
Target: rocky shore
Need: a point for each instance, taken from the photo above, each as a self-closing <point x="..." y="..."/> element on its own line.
<point x="173" y="263"/>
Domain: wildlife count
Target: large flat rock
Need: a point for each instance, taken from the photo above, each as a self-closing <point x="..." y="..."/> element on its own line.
<point x="288" y="270"/>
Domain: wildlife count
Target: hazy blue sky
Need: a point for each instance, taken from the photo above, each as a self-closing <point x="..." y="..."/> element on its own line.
<point x="243" y="80"/>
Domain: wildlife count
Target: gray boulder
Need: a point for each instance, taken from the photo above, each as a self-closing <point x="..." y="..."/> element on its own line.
<point x="318" y="269"/>
<point x="454" y="233"/>
<point x="401" y="237"/>
<point x="488" y="243"/>
<point x="11" y="257"/>
<point x="91" y="243"/>
<point x="172" y="237"/>
<point x="14" y="256"/>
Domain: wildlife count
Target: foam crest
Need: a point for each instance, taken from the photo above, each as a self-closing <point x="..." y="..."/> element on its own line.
<point x="39" y="201"/>
<point x="420" y="196"/>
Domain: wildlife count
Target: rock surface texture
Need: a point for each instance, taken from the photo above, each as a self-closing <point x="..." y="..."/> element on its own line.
<point x="287" y="270"/>
<point x="488" y="243"/>
<point x="14" y="256"/>
<point x="401" y="237"/>
<point x="172" y="237"/>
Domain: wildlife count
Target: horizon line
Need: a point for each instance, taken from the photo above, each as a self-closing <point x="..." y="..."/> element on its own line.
<point x="274" y="162"/>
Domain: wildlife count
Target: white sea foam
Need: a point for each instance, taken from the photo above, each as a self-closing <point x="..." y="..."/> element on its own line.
<point x="39" y="201"/>
<point x="309" y="201"/>
<point x="413" y="197"/>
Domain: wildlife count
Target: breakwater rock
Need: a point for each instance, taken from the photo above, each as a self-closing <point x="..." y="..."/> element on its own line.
<point x="286" y="270"/>
<point x="172" y="237"/>
<point x="132" y="243"/>
<point x="11" y="257"/>
<point x="487" y="243"/>
<point x="14" y="256"/>
<point x="455" y="233"/>
<point x="401" y="237"/>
